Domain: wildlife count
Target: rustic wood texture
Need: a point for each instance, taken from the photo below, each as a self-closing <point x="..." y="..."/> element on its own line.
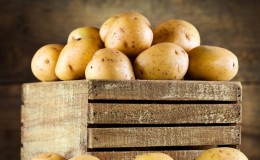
<point x="130" y="155"/>
<point x="57" y="115"/>
<point x="232" y="24"/>
<point x="165" y="90"/>
<point x="125" y="113"/>
<point x="162" y="136"/>
<point x="54" y="120"/>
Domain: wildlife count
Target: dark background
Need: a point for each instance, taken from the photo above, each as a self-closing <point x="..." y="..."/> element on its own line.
<point x="27" y="25"/>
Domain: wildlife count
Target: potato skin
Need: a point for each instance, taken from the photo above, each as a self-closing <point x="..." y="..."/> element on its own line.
<point x="212" y="63"/>
<point x="129" y="33"/>
<point x="177" y="31"/>
<point x="84" y="157"/>
<point x="153" y="156"/>
<point x="104" y="29"/>
<point x="90" y="33"/>
<point x="222" y="153"/>
<point x="74" y="58"/>
<point x="164" y="61"/>
<point x="48" y="156"/>
<point x="44" y="62"/>
<point x="109" y="64"/>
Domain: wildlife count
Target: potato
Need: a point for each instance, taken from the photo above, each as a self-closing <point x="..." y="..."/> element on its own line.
<point x="163" y="61"/>
<point x="177" y="31"/>
<point x="90" y="33"/>
<point x="109" y="64"/>
<point x="153" y="156"/>
<point x="104" y="29"/>
<point x="74" y="58"/>
<point x="212" y="63"/>
<point x="222" y="153"/>
<point x="128" y="32"/>
<point x="48" y="156"/>
<point x="44" y="62"/>
<point x="85" y="157"/>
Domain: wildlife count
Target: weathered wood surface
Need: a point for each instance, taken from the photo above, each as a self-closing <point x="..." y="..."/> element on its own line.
<point x="165" y="90"/>
<point x="130" y="155"/>
<point x="232" y="24"/>
<point x="63" y="92"/>
<point x="56" y="115"/>
<point x="54" y="120"/>
<point x="125" y="113"/>
<point x="162" y="136"/>
<point x="137" y="90"/>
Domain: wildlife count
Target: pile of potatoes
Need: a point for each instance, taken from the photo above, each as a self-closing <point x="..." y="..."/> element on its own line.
<point x="221" y="153"/>
<point x="127" y="48"/>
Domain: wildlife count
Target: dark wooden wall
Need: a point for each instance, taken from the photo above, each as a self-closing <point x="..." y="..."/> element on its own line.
<point x="27" y="25"/>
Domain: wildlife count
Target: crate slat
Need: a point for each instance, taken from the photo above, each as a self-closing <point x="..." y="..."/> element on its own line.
<point x="130" y="155"/>
<point x="55" y="93"/>
<point x="96" y="116"/>
<point x="163" y="136"/>
<point x="125" y="113"/>
<point x="165" y="90"/>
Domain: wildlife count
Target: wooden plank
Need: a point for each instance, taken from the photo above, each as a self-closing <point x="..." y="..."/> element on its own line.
<point x="46" y="93"/>
<point x="136" y="90"/>
<point x="54" y="118"/>
<point x="66" y="146"/>
<point x="47" y="114"/>
<point x="165" y="90"/>
<point x="52" y="131"/>
<point x="162" y="136"/>
<point x="125" y="113"/>
<point x="130" y="155"/>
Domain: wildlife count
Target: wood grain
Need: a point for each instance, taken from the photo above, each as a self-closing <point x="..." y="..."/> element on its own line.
<point x="162" y="136"/>
<point x="230" y="24"/>
<point x="165" y="90"/>
<point x="127" y="113"/>
<point x="130" y="155"/>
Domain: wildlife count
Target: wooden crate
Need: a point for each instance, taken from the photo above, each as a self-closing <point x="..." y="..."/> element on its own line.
<point x="117" y="120"/>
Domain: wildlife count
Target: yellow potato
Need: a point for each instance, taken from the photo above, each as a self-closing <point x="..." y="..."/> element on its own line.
<point x="163" y="61"/>
<point x="90" y="33"/>
<point x="140" y="16"/>
<point x="44" y="62"/>
<point x="212" y="63"/>
<point x="48" y="156"/>
<point x="74" y="58"/>
<point x="104" y="29"/>
<point x="222" y="153"/>
<point x="84" y="157"/>
<point x="153" y="156"/>
<point x="109" y="64"/>
<point x="129" y="33"/>
<point x="179" y="32"/>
